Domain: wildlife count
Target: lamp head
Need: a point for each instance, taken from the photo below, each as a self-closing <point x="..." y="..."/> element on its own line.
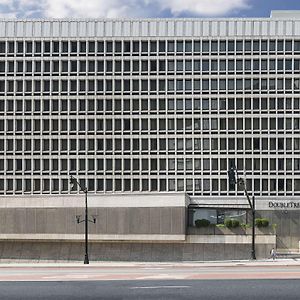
<point x="94" y="218"/>
<point x="241" y="181"/>
<point x="72" y="182"/>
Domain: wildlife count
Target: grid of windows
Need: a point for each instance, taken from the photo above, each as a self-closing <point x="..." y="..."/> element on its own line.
<point x="149" y="115"/>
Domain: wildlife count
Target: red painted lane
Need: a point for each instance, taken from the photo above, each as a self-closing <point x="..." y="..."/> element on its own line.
<point x="145" y="277"/>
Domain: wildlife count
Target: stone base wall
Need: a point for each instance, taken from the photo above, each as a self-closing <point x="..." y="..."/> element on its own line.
<point x="287" y="229"/>
<point x="124" y="251"/>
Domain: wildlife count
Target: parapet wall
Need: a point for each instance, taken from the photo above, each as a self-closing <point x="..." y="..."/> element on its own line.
<point x="129" y="251"/>
<point x="118" y="217"/>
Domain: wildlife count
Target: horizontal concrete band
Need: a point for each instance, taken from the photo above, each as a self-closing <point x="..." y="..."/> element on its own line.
<point x="113" y="200"/>
<point x="230" y="239"/>
<point x="94" y="237"/>
<point x="189" y="239"/>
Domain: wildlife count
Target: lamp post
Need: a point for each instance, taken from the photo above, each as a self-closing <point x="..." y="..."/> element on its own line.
<point x="73" y="182"/>
<point x="234" y="179"/>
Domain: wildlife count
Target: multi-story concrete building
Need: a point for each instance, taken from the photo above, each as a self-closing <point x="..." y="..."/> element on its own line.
<point x="157" y="105"/>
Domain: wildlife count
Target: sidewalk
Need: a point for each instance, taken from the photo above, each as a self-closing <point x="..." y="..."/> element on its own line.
<point x="107" y="264"/>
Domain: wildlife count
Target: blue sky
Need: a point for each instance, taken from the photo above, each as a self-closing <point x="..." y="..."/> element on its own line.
<point x="262" y="8"/>
<point x="142" y="8"/>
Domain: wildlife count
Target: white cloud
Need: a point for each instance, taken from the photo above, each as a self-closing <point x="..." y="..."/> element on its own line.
<point x="95" y="8"/>
<point x="5" y="2"/>
<point x="202" y="7"/>
<point x="84" y="8"/>
<point x="8" y="15"/>
<point x="118" y="8"/>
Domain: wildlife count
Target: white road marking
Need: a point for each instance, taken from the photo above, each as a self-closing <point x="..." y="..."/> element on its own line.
<point x="161" y="287"/>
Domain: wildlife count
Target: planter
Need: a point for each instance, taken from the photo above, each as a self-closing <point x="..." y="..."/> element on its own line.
<point x="229" y="231"/>
<point x="214" y="230"/>
<point x="201" y="231"/>
<point x="262" y="230"/>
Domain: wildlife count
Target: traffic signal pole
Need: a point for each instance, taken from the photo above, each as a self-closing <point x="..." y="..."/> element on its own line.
<point x="241" y="181"/>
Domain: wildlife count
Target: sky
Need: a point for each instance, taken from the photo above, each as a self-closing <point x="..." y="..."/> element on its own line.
<point x="21" y="9"/>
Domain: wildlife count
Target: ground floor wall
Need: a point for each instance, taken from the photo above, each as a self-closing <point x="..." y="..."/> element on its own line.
<point x="287" y="223"/>
<point x="113" y="251"/>
<point x="141" y="227"/>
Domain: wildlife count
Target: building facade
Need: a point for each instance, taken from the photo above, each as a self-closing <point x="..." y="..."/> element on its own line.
<point x="160" y="105"/>
<point x="150" y="105"/>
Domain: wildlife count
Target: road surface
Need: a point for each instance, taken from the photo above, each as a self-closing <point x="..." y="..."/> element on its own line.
<point x="234" y="281"/>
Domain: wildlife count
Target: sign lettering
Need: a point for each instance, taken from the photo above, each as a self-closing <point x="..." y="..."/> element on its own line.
<point x="284" y="205"/>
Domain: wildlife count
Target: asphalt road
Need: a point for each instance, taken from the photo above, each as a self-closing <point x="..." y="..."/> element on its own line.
<point x="179" y="289"/>
<point x="235" y="281"/>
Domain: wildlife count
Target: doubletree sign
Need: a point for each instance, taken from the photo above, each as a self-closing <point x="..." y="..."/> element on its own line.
<point x="284" y="205"/>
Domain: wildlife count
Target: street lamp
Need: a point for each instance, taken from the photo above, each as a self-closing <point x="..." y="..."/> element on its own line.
<point x="234" y="179"/>
<point x="74" y="182"/>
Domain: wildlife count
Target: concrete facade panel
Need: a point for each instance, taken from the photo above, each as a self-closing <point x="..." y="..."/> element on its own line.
<point x="155" y="220"/>
<point x="30" y="225"/>
<point x="139" y="221"/>
<point x="187" y="252"/>
<point x="125" y="249"/>
<point x="165" y="220"/>
<point x="70" y="219"/>
<point x="101" y="220"/>
<point x="19" y="218"/>
<point x="59" y="221"/>
<point x="40" y="220"/>
<point x="79" y="228"/>
<point x="228" y="252"/>
<point x="27" y="251"/>
<point x="178" y="220"/>
<point x="123" y="217"/>
<point x="92" y="226"/>
<point x="50" y="220"/>
<point x="76" y="249"/>
<point x="242" y="251"/>
<point x="198" y="252"/>
<point x="287" y="227"/>
<point x="3" y="219"/>
<point x="9" y="221"/>
<point x="209" y="251"/>
<point x="65" y="251"/>
<point x="113" y="221"/>
<point x="50" y="251"/>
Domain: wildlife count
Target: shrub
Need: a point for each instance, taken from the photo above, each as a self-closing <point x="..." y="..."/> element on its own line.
<point x="244" y="225"/>
<point x="263" y="222"/>
<point x="258" y="223"/>
<point x="235" y="223"/>
<point x="228" y="223"/>
<point x="202" y="223"/>
<point x="232" y="223"/>
<point x="220" y="226"/>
